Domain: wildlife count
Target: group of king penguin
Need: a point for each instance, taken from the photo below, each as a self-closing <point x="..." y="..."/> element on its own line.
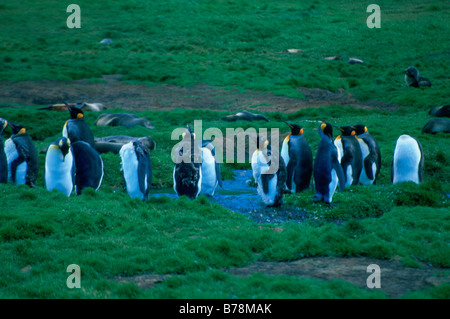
<point x="352" y="158"/>
<point x="72" y="163"/>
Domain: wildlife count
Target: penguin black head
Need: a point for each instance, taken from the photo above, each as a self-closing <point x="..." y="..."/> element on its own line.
<point x="75" y="111"/>
<point x="262" y="143"/>
<point x="63" y="144"/>
<point x="295" y="129"/>
<point x="413" y="73"/>
<point x="360" y="129"/>
<point x="17" y="128"/>
<point x="327" y="129"/>
<point x="3" y="124"/>
<point x="346" y="130"/>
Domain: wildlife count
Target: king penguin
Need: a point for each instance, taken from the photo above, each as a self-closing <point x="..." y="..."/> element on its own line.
<point x="3" y="160"/>
<point x="297" y="156"/>
<point x="22" y="157"/>
<point x="76" y="128"/>
<point x="371" y="156"/>
<point x="351" y="156"/>
<point x="211" y="176"/>
<point x="268" y="174"/>
<point x="187" y="173"/>
<point x="137" y="169"/>
<point x="89" y="167"/>
<point x="407" y="162"/>
<point x="327" y="167"/>
<point x="60" y="167"/>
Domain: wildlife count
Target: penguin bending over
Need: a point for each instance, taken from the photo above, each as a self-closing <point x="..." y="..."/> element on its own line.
<point x="60" y="166"/>
<point x="3" y="160"/>
<point x="137" y="169"/>
<point x="76" y="128"/>
<point x="211" y="176"/>
<point x="414" y="79"/>
<point x="271" y="180"/>
<point x="351" y="156"/>
<point x="187" y="173"/>
<point x="327" y="167"/>
<point x="22" y="157"/>
<point x="407" y="162"/>
<point x="297" y="157"/>
<point x="89" y="167"/>
<point x="371" y="156"/>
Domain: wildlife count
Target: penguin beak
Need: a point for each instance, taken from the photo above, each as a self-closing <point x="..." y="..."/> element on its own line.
<point x="5" y="124"/>
<point x="289" y="124"/>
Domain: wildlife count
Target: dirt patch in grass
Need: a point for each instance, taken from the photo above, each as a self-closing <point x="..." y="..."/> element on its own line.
<point x="396" y="279"/>
<point x="113" y="93"/>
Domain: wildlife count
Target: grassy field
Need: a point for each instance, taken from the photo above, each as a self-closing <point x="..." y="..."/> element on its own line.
<point x="236" y="44"/>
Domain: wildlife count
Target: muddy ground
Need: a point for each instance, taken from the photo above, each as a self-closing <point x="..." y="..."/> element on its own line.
<point x="396" y="279"/>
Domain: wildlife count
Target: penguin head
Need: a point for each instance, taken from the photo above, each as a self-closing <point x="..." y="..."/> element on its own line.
<point x="327" y="130"/>
<point x="3" y="124"/>
<point x="262" y="143"/>
<point x="295" y="129"/>
<point x="17" y="128"/>
<point x="412" y="72"/>
<point x="75" y="111"/>
<point x="346" y="130"/>
<point x="62" y="144"/>
<point x="360" y="129"/>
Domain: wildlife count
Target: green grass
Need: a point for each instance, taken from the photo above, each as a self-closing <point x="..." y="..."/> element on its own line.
<point x="225" y="44"/>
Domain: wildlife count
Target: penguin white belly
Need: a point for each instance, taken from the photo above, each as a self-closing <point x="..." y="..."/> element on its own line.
<point x="363" y="179"/>
<point x="130" y="171"/>
<point x="349" y="174"/>
<point x="58" y="173"/>
<point x="209" y="178"/>
<point x="11" y="155"/>
<point x="406" y="160"/>
<point x="285" y="155"/>
<point x="340" y="148"/>
<point x="333" y="185"/>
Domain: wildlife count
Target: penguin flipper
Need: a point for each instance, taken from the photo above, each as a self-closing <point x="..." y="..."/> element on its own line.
<point x="371" y="158"/>
<point x="218" y="174"/>
<point x="14" y="164"/>
<point x="339" y="171"/>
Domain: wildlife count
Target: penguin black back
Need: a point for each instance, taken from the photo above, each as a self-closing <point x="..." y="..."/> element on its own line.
<point x="371" y="160"/>
<point x="187" y="171"/>
<point x="351" y="157"/>
<point x="297" y="156"/>
<point x="27" y="152"/>
<point x="89" y="166"/>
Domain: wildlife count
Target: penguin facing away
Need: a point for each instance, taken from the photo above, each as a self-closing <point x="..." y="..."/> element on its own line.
<point x="271" y="181"/>
<point x="76" y="128"/>
<point x="137" y="169"/>
<point x="22" y="157"/>
<point x="187" y="172"/>
<point x="371" y="156"/>
<point x="351" y="156"/>
<point x="60" y="167"/>
<point x="89" y="167"/>
<point x="297" y="157"/>
<point x="211" y="176"/>
<point x="328" y="171"/>
<point x="407" y="162"/>
<point x="3" y="159"/>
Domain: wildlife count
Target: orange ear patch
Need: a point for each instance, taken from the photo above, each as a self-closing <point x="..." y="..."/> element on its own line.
<point x="79" y="116"/>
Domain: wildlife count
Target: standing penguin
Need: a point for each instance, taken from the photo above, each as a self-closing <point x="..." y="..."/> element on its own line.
<point x="211" y="176"/>
<point x="60" y="167"/>
<point x="3" y="160"/>
<point x="407" y="162"/>
<point x="137" y="169"/>
<point x="327" y="167"/>
<point x="76" y="128"/>
<point x="297" y="156"/>
<point x="271" y="180"/>
<point x="351" y="156"/>
<point x="187" y="173"/>
<point x="89" y="167"/>
<point x="371" y="156"/>
<point x="22" y="157"/>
